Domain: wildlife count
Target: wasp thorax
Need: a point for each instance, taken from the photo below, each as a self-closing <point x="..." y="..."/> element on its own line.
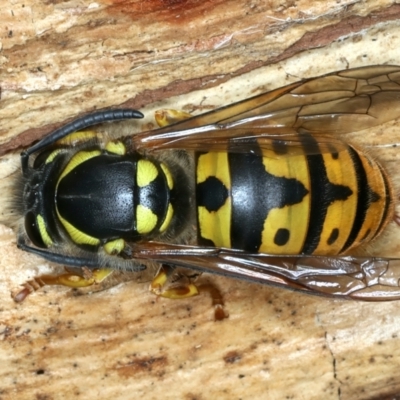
<point x="101" y="197"/>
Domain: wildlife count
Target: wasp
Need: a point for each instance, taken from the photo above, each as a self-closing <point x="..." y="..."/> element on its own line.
<point x="266" y="189"/>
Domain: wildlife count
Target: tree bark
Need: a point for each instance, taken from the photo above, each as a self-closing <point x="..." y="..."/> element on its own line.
<point x="60" y="60"/>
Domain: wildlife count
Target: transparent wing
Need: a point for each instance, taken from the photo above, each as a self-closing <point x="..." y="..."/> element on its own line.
<point x="362" y="278"/>
<point x="282" y="141"/>
<point x="334" y="104"/>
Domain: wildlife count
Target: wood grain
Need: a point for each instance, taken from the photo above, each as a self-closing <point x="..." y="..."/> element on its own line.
<point x="62" y="59"/>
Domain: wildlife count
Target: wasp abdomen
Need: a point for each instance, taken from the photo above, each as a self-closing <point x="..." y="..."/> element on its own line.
<point x="325" y="202"/>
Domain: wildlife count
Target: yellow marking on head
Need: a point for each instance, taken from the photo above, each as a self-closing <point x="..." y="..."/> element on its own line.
<point x="167" y="173"/>
<point x="43" y="231"/>
<point x="77" y="159"/>
<point x="116" y="147"/>
<point x="168" y="217"/>
<point x="146" y="220"/>
<point x="52" y="156"/>
<point x="146" y="173"/>
<point x="114" y="247"/>
<point x="76" y="235"/>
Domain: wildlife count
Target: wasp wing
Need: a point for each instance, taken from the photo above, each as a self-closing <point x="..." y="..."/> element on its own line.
<point x="362" y="278"/>
<point x="334" y="104"/>
<point x="279" y="141"/>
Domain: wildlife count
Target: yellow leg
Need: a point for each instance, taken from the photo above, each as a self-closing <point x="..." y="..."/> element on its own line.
<point x="175" y="292"/>
<point x="78" y="138"/>
<point x="169" y="117"/>
<point x="70" y="279"/>
<point x="179" y="290"/>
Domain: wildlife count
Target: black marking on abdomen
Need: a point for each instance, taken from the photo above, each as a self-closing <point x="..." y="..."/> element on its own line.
<point x="366" y="234"/>
<point x="388" y="200"/>
<point x="255" y="192"/>
<point x="333" y="236"/>
<point x="211" y="194"/>
<point x="282" y="236"/>
<point x="333" y="151"/>
<point x="365" y="196"/>
<point x="323" y="194"/>
<point x="279" y="147"/>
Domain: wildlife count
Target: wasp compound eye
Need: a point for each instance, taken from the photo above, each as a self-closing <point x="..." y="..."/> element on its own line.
<point x="32" y="230"/>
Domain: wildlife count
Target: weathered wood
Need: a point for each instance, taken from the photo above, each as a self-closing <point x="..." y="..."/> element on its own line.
<point x="59" y="60"/>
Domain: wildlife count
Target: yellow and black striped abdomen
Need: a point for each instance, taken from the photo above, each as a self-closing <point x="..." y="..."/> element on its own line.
<point x="321" y="203"/>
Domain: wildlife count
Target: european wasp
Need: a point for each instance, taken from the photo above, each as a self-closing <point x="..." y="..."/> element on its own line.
<point x="266" y="189"/>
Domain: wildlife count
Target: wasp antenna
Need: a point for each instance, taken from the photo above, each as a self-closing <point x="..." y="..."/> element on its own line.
<point x="78" y="124"/>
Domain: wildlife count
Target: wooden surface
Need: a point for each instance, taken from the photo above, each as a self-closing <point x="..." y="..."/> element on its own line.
<point x="62" y="59"/>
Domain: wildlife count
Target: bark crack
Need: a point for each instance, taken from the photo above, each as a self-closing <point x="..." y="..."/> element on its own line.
<point x="334" y="367"/>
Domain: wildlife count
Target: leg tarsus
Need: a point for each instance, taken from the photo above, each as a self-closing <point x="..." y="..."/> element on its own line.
<point x="217" y="300"/>
<point x="176" y="291"/>
<point x="84" y="277"/>
<point x="180" y="290"/>
<point x="220" y="313"/>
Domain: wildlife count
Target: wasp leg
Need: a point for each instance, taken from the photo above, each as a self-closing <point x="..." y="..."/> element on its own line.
<point x="217" y="300"/>
<point x="169" y="117"/>
<point x="76" y="138"/>
<point x="81" y="137"/>
<point x="177" y="290"/>
<point x="182" y="287"/>
<point x="86" y="277"/>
